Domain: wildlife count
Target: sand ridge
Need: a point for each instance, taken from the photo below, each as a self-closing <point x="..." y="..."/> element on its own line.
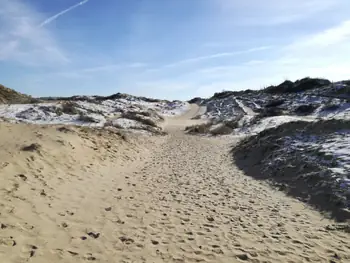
<point x="174" y="198"/>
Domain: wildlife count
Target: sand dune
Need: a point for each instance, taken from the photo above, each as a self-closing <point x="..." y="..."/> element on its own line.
<point x="81" y="195"/>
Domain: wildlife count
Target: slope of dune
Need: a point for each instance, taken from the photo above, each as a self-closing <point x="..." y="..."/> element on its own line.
<point x="54" y="184"/>
<point x="11" y="96"/>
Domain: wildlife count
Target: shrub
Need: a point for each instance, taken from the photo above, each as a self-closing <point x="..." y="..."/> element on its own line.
<point x="143" y="119"/>
<point x="221" y="129"/>
<point x="199" y="128"/>
<point x="222" y="95"/>
<point x="305" y="109"/>
<point x="58" y="111"/>
<point x="270" y="112"/>
<point x="111" y="123"/>
<point x="343" y="91"/>
<point x="298" y="86"/>
<point x="86" y="118"/>
<point x="196" y="100"/>
<point x="331" y="107"/>
<point x="32" y="100"/>
<point x="281" y="88"/>
<point x="233" y="124"/>
<point x="309" y="83"/>
<point x="70" y="108"/>
<point x="274" y="103"/>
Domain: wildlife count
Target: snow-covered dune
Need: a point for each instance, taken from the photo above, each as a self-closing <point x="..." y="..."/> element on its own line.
<point x="88" y="112"/>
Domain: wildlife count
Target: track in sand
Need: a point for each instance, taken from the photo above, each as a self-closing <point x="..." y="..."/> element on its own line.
<point x="182" y="201"/>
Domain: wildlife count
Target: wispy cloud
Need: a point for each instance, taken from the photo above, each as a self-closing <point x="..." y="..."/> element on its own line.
<point x="254" y="62"/>
<point x="88" y="72"/>
<point x="22" y="40"/>
<point x="292" y="39"/>
<point x="321" y="54"/>
<point x="110" y="68"/>
<point x="215" y="56"/>
<point x="54" y="17"/>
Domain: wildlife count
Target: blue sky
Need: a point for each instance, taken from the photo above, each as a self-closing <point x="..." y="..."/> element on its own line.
<point x="174" y="49"/>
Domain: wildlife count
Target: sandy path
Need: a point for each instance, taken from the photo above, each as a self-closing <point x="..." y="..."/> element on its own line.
<point x="184" y="202"/>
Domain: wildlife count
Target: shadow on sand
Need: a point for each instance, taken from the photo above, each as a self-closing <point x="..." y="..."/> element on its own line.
<point x="264" y="157"/>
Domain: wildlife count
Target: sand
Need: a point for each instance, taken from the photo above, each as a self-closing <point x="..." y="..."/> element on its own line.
<point x="96" y="196"/>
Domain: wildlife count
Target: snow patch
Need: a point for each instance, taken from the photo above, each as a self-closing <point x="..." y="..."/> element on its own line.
<point x="93" y="113"/>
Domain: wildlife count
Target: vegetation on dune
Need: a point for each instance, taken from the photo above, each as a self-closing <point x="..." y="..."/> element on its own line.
<point x="298" y="86"/>
<point x="10" y="96"/>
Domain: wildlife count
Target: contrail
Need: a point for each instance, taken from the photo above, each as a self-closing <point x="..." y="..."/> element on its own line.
<point x="52" y="18"/>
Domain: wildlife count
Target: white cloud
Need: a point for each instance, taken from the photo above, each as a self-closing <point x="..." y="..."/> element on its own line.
<point x="275" y="12"/>
<point x="22" y="40"/>
<point x="332" y="36"/>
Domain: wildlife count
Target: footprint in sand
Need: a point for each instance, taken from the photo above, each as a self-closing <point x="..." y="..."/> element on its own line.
<point x="126" y="240"/>
<point x="154" y="242"/>
<point x="22" y="176"/>
<point x="94" y="235"/>
<point x="8" y="241"/>
<point x="243" y="257"/>
<point x="90" y="257"/>
<point x="64" y="225"/>
<point x="73" y="253"/>
<point x="29" y="251"/>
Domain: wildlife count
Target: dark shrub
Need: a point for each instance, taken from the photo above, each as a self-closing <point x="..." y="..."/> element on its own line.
<point x="203" y="128"/>
<point x="70" y="108"/>
<point x="305" y="109"/>
<point x="196" y="100"/>
<point x="274" y="103"/>
<point x="86" y="118"/>
<point x="140" y="118"/>
<point x="309" y="83"/>
<point x="222" y="95"/>
<point x="331" y="107"/>
<point x="299" y="86"/>
<point x="281" y="88"/>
